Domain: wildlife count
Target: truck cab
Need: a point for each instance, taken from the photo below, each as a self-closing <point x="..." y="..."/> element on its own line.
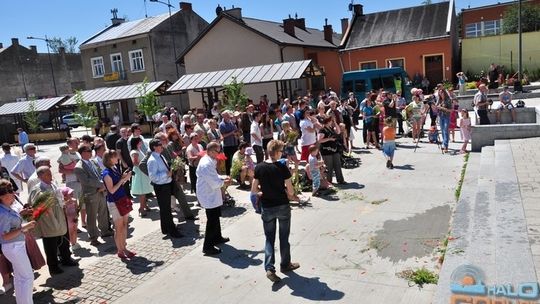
<point x="363" y="81"/>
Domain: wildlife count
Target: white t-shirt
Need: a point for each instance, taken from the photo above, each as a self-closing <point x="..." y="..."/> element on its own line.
<point x="255" y="129"/>
<point x="308" y="138"/>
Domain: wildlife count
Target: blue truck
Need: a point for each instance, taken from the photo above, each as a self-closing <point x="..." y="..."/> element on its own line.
<point x="363" y="81"/>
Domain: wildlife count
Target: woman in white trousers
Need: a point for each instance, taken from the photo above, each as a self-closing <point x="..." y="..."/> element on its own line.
<point x="13" y="244"/>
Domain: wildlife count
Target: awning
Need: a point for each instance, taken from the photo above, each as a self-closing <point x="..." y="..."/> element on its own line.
<point x="248" y="75"/>
<point x="109" y="94"/>
<point x="20" y="107"/>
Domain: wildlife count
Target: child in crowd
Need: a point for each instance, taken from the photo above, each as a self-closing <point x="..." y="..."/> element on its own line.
<point x="248" y="161"/>
<point x="465" y="128"/>
<point x="314" y="169"/>
<point x="453" y="119"/>
<point x="66" y="161"/>
<point x="389" y="144"/>
<point x="287" y="135"/>
<point x="70" y="209"/>
<point x="433" y="135"/>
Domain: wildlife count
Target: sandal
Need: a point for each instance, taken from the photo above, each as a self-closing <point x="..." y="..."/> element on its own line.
<point x="129" y="254"/>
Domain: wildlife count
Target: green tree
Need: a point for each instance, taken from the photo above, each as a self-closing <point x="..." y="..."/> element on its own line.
<point x="31" y="117"/>
<point x="426" y="2"/>
<point x="234" y="95"/>
<point x="69" y="44"/>
<point x="148" y="101"/>
<point x="530" y="18"/>
<point x="85" y="112"/>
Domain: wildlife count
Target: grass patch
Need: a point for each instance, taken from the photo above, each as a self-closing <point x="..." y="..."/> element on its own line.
<point x="419" y="277"/>
<point x="442" y="250"/>
<point x="376" y="244"/>
<point x="378" y="202"/>
<point x="347" y="196"/>
<point x="457" y="193"/>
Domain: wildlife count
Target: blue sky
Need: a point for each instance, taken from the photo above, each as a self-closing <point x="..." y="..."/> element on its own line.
<point x="83" y="18"/>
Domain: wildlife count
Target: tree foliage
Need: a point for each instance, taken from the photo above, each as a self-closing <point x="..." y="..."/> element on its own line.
<point x="148" y="100"/>
<point x="84" y="112"/>
<point x="31" y="117"/>
<point x="530" y="18"/>
<point x="69" y="44"/>
<point x="234" y="95"/>
<point x="426" y="2"/>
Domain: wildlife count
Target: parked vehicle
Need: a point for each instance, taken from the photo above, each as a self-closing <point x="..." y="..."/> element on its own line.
<point x="70" y="120"/>
<point x="362" y="81"/>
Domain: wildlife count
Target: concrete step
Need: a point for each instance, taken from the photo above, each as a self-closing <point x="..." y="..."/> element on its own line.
<point x="460" y="227"/>
<point x="514" y="257"/>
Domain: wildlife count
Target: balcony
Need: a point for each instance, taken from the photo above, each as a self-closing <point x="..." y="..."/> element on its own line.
<point x="115" y="76"/>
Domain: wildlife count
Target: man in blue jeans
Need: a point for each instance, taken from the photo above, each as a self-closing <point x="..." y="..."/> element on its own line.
<point x="272" y="183"/>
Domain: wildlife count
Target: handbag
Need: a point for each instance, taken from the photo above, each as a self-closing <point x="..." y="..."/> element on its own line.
<point x="34" y="254"/>
<point x="124" y="205"/>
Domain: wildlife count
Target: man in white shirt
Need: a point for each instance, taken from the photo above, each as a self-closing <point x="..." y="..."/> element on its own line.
<point x="25" y="166"/>
<point x="160" y="175"/>
<point x="9" y="161"/>
<point x="256" y="137"/>
<point x="209" y="184"/>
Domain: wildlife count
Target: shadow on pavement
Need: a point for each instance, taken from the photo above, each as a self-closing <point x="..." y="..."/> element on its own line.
<point x="308" y="288"/>
<point x="351" y="185"/>
<point x="232" y="211"/>
<point x="140" y="265"/>
<point x="238" y="258"/>
<point x="404" y="167"/>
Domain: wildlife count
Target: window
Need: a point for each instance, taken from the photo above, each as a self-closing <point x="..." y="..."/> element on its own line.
<point x="136" y="61"/>
<point x="396" y="62"/>
<point x="492" y="27"/>
<point x="376" y="83"/>
<point x="368" y="65"/>
<point x="116" y="63"/>
<point x="360" y="86"/>
<point x="98" y="70"/>
<point x="473" y="30"/>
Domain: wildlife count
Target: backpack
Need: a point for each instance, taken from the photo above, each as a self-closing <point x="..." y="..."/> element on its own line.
<point x="143" y="164"/>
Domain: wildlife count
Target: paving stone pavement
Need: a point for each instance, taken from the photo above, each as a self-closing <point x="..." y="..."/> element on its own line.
<point x="110" y="278"/>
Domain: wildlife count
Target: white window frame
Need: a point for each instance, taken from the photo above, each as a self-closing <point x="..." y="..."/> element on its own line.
<point x="472" y="33"/>
<point x="132" y="60"/>
<point x="494" y="30"/>
<point x="95" y="65"/>
<point x="368" y="61"/>
<point x="113" y="61"/>
<point x="387" y="61"/>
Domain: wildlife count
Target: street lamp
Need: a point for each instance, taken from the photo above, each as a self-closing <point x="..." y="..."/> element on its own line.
<point x="50" y="60"/>
<point x="168" y="4"/>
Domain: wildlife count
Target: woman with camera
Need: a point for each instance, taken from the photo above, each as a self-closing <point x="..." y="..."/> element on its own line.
<point x="329" y="140"/>
<point x="416" y="111"/>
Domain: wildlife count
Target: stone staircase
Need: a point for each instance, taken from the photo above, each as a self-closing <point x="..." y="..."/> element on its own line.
<point x="489" y="229"/>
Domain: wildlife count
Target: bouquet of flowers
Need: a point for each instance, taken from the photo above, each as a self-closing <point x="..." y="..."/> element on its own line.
<point x="178" y="168"/>
<point x="42" y="203"/>
<point x="291" y="137"/>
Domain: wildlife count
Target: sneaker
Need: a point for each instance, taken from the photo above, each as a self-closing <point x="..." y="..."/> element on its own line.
<point x="272" y="276"/>
<point x="387" y="164"/>
<point x="75" y="246"/>
<point x="290" y="267"/>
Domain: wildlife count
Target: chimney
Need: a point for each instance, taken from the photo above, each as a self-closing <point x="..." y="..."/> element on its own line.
<point x="300" y="23"/>
<point x="33" y="48"/>
<point x="235" y="12"/>
<point x="1" y="45"/>
<point x="358" y="9"/>
<point x="288" y="26"/>
<point x="115" y="20"/>
<point x="15" y="41"/>
<point x="328" y="31"/>
<point x="344" y="25"/>
<point x="185" y="6"/>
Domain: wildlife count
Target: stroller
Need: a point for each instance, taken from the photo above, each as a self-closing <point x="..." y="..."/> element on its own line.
<point x="228" y="200"/>
<point x="347" y="162"/>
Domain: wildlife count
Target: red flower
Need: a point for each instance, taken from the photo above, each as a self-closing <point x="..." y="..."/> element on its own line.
<point x="38" y="212"/>
<point x="221" y="156"/>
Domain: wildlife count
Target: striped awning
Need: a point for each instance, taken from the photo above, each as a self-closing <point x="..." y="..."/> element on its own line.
<point x="109" y="94"/>
<point x="248" y="75"/>
<point x="20" y="107"/>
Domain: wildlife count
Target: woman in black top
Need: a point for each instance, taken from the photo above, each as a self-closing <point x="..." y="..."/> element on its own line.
<point x="272" y="183"/>
<point x="329" y="140"/>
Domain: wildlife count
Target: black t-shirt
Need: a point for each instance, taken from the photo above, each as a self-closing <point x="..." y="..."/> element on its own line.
<point x="122" y="148"/>
<point x="389" y="111"/>
<point x="330" y="147"/>
<point x="111" y="139"/>
<point x="271" y="177"/>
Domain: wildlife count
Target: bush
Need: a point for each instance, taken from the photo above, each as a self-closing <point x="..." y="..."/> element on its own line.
<point x="470" y="85"/>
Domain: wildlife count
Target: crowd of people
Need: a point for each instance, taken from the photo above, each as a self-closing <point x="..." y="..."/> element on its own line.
<point x="261" y="148"/>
